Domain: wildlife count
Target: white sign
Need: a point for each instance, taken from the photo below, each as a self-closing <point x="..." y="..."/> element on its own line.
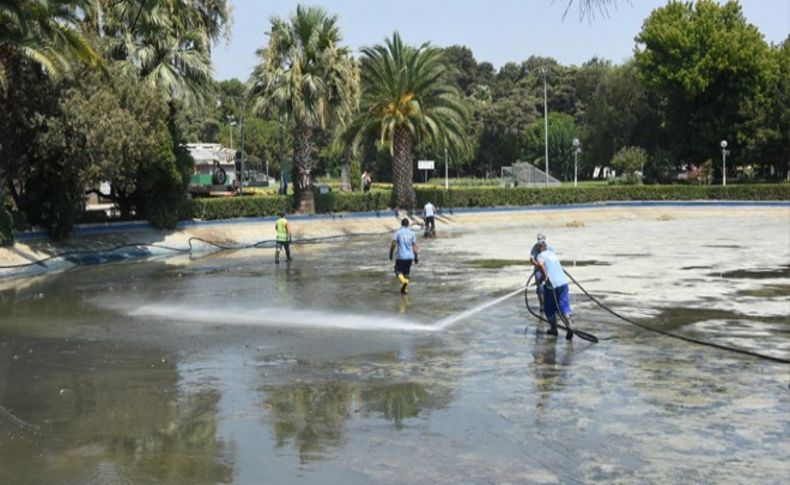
<point x="425" y="164"/>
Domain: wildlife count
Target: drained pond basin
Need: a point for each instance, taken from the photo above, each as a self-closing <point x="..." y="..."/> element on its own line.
<point x="227" y="368"/>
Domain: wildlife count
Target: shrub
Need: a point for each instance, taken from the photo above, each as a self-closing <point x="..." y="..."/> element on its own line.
<point x="703" y="174"/>
<point x="625" y="179"/>
<point x="465" y="182"/>
<point x="232" y="207"/>
<point x="162" y="184"/>
<point x="629" y="160"/>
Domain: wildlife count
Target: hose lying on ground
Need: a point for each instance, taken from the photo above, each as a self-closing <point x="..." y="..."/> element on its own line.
<point x="266" y="243"/>
<point x="674" y="335"/>
<point x="582" y="335"/>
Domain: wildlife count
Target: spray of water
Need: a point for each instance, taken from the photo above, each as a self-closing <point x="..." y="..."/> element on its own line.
<point x="453" y="319"/>
<point x="279" y="317"/>
<point x="298" y="318"/>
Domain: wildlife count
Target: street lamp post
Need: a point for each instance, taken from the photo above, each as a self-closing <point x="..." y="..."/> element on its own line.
<point x="241" y="149"/>
<point x="576" y="150"/>
<point x="231" y="123"/>
<point x="545" y="73"/>
<point x="724" y="153"/>
<point x="446" y="172"/>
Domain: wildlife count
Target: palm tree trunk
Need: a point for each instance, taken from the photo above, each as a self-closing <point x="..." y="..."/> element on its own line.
<point x="345" y="168"/>
<point x="402" y="169"/>
<point x="303" y="166"/>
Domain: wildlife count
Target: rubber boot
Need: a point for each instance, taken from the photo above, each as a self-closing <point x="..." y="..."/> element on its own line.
<point x="404" y="281"/>
<point x="553" y="329"/>
<point x="568" y="322"/>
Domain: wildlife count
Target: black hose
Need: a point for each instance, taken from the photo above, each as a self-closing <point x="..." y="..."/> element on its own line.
<point x="582" y="335"/>
<point x="266" y="243"/>
<point x="677" y="336"/>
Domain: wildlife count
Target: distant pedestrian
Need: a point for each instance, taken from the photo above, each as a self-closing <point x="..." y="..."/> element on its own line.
<point x="429" y="211"/>
<point x="283" y="228"/>
<point x="366" y="182"/>
<point x="556" y="293"/>
<point x="405" y="242"/>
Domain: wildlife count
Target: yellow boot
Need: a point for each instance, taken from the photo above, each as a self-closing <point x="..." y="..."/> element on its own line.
<point x="404" y="283"/>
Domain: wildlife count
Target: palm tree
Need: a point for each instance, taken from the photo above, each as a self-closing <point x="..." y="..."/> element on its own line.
<point x="44" y="32"/>
<point x="303" y="76"/>
<point x="408" y="99"/>
<point x="168" y="43"/>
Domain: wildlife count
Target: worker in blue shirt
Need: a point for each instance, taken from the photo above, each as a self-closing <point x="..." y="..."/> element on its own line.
<point x="556" y="297"/>
<point x="405" y="242"/>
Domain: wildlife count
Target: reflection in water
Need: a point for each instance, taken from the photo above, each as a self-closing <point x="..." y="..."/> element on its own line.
<point x="310" y="415"/>
<point x="396" y="402"/>
<point x="549" y="375"/>
<point x="101" y="414"/>
<point x="392" y="386"/>
<point x="403" y="304"/>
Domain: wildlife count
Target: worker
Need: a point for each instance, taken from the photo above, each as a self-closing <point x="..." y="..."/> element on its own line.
<point x="539" y="280"/>
<point x="556" y="297"/>
<point x="405" y="242"/>
<point x="430" y="225"/>
<point x="283" y="228"/>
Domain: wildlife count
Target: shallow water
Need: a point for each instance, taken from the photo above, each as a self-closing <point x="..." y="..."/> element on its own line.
<point x="229" y="369"/>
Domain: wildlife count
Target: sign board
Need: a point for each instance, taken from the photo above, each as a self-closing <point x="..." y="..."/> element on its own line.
<point x="425" y="165"/>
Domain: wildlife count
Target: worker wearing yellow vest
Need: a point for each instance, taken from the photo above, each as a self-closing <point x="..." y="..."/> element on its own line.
<point x="283" y="229"/>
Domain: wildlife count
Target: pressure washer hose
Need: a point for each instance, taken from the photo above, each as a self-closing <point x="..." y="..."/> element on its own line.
<point x="582" y="335"/>
<point x="269" y="243"/>
<point x="670" y="334"/>
<point x="266" y="243"/>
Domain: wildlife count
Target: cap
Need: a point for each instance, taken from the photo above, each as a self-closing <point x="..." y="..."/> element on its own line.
<point x="541" y="237"/>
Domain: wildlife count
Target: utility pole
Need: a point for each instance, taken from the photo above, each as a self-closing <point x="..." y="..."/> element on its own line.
<point x="724" y="153"/>
<point x="545" y="73"/>
<point x="241" y="127"/>
<point x="576" y="150"/>
<point x="446" y="172"/>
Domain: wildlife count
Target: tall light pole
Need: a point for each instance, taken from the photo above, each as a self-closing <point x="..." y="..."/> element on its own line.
<point x="576" y="150"/>
<point x="446" y="172"/>
<point x="545" y="73"/>
<point x="724" y="153"/>
<point x="230" y="124"/>
<point x="241" y="127"/>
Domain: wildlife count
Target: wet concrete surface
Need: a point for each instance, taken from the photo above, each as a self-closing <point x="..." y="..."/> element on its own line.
<point x="230" y="369"/>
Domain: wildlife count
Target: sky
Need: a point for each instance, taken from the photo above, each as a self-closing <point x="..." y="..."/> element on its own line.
<point x="497" y="31"/>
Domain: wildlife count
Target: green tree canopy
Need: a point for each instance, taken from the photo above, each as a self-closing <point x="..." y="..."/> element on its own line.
<point x="409" y="100"/>
<point x="304" y="75"/>
<point x="562" y="131"/>
<point x="705" y="61"/>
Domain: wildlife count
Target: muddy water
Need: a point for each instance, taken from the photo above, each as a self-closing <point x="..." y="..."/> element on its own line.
<point x="229" y="369"/>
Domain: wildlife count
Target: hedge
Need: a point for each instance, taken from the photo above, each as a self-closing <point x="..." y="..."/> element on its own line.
<point x="233" y="207"/>
<point x="379" y="200"/>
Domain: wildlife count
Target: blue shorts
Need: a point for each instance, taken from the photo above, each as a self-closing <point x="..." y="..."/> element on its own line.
<point x="562" y="295"/>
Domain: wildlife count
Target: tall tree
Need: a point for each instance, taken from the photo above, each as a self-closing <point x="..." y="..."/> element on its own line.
<point x="408" y="99"/>
<point x="168" y="43"/>
<point x="303" y="75"/>
<point x="562" y="131"/>
<point x="619" y="112"/>
<point x="47" y="33"/>
<point x="704" y="60"/>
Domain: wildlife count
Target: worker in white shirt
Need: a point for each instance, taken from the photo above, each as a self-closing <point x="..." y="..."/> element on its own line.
<point x="430" y="225"/>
